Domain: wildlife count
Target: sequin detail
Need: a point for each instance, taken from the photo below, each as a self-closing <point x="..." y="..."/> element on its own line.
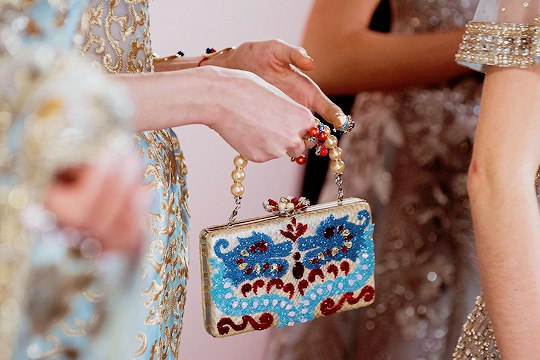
<point x="477" y="340"/>
<point x="504" y="45"/>
<point x="291" y="295"/>
<point x="334" y="240"/>
<point x="256" y="256"/>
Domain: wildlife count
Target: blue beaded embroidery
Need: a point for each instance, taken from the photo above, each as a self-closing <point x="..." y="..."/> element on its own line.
<point x="334" y="240"/>
<point x="256" y="256"/>
<point x="226" y="276"/>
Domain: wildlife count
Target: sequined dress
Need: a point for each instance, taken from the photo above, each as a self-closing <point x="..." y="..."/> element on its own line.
<point x="117" y="38"/>
<point x="505" y="34"/>
<point x="409" y="157"/>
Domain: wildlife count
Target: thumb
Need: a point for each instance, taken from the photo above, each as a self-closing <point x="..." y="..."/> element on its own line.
<point x="291" y="55"/>
<point x="323" y="106"/>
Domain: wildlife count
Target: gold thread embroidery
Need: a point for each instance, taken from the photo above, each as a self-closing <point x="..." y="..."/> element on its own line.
<point x="118" y="38"/>
<point x="107" y="31"/>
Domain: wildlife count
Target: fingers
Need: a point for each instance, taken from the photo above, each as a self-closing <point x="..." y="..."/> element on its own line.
<point x="115" y="202"/>
<point x="298" y="148"/>
<point x="322" y="105"/>
<point x="291" y="55"/>
<point x="104" y="200"/>
<point x="68" y="200"/>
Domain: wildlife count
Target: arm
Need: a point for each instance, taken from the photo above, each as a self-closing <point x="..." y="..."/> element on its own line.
<point x="274" y="61"/>
<point x="255" y="118"/>
<point x="504" y="207"/>
<point x="350" y="58"/>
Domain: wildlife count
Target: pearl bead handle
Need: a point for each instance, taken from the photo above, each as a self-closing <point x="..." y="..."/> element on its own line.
<point x="238" y="175"/>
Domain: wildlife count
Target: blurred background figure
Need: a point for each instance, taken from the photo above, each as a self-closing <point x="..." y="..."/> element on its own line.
<point x="416" y="112"/>
<point x="71" y="199"/>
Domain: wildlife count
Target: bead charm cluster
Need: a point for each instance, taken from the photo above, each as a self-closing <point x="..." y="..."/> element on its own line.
<point x="286" y="206"/>
<point x="238" y="175"/>
<point x="327" y="145"/>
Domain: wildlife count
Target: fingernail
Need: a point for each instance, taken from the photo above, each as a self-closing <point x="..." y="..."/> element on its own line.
<point x="342" y="118"/>
<point x="305" y="54"/>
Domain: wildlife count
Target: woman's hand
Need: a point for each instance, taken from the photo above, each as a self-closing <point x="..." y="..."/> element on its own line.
<point x="105" y="199"/>
<point x="259" y="120"/>
<point x="277" y="62"/>
<point x="254" y="117"/>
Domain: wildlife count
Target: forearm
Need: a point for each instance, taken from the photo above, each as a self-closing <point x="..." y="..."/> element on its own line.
<point x="365" y="60"/>
<point x="178" y="63"/>
<point x="183" y="63"/>
<point x="178" y="98"/>
<point x="350" y="58"/>
<point x="505" y="209"/>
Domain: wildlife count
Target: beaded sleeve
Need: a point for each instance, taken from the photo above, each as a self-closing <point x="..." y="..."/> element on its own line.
<point x="504" y="33"/>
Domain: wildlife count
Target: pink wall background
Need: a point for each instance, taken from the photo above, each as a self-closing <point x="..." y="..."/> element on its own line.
<point x="192" y="26"/>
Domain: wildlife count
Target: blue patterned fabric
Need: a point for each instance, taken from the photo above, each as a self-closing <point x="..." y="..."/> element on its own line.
<point x="73" y="300"/>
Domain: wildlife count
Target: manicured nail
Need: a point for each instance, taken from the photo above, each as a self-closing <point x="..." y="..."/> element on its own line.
<point x="342" y="118"/>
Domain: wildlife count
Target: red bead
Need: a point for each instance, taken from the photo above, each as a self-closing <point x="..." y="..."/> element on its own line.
<point x="323" y="151"/>
<point x="301" y="160"/>
<point x="314" y="132"/>
<point x="323" y="136"/>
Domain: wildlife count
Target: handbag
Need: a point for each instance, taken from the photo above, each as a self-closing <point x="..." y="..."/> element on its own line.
<point x="300" y="263"/>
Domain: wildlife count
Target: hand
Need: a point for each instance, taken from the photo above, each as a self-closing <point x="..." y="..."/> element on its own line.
<point x="105" y="199"/>
<point x="257" y="119"/>
<point x="276" y="61"/>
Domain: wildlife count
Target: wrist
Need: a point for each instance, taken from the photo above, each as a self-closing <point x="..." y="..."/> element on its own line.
<point x="222" y="58"/>
<point x="215" y="83"/>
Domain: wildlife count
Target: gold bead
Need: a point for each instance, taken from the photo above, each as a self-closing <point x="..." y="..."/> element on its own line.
<point x="337" y="166"/>
<point x="240" y="161"/>
<point x="237" y="189"/>
<point x="335" y="153"/>
<point x="326" y="129"/>
<point x="238" y="175"/>
<point x="331" y="142"/>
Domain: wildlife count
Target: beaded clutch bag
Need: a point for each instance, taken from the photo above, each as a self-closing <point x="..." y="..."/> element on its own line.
<point x="298" y="264"/>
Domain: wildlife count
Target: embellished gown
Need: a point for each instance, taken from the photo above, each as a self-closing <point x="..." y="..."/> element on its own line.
<point x="117" y="38"/>
<point x="58" y="298"/>
<point x="504" y="33"/>
<point x="100" y="304"/>
<point x="409" y="157"/>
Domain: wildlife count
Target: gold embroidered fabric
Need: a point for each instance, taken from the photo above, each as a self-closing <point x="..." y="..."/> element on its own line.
<point x="117" y="37"/>
<point x="41" y="275"/>
<point x="504" y="45"/>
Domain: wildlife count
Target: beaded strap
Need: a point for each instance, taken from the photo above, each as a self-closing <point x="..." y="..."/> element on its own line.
<point x="330" y="144"/>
